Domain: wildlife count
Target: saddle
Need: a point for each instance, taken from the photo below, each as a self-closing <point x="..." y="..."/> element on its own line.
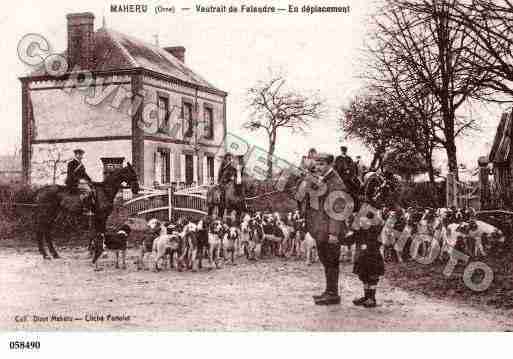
<point x="87" y="195"/>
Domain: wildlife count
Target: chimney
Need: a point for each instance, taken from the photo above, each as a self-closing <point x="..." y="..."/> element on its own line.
<point x="177" y="51"/>
<point x="80" y="41"/>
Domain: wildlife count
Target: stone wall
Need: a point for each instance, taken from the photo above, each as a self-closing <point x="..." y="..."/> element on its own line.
<point x="60" y="113"/>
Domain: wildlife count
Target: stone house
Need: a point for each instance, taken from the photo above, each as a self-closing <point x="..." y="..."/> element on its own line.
<point x="121" y="99"/>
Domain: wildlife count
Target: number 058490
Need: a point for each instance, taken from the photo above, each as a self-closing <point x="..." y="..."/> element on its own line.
<point x="24" y="345"/>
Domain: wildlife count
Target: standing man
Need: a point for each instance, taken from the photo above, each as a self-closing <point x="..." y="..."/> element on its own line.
<point x="324" y="224"/>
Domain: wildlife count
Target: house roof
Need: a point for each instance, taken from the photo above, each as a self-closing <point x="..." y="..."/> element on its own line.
<point x="116" y="51"/>
<point x="501" y="152"/>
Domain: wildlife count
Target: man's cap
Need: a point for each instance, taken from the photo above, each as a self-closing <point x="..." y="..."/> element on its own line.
<point x="343" y="148"/>
<point x="78" y="151"/>
<point x="324" y="156"/>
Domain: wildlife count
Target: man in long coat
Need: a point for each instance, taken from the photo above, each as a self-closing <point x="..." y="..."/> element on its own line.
<point x="325" y="225"/>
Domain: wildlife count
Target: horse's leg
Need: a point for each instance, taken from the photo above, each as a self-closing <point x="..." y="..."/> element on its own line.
<point x="140" y="262"/>
<point x="216" y="255"/>
<point x="194" y="259"/>
<point x="49" y="242"/>
<point x="117" y="259"/>
<point x="40" y="237"/>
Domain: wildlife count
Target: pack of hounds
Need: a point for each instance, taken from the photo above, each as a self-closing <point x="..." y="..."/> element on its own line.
<point x="448" y="229"/>
<point x="187" y="244"/>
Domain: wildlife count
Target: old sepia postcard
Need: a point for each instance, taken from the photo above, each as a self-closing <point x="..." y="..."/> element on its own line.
<point x="248" y="166"/>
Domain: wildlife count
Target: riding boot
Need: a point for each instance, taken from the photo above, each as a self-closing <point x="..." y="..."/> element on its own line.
<point x="331" y="297"/>
<point x="332" y="280"/>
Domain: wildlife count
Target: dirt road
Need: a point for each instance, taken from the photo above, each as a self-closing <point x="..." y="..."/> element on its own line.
<point x="267" y="295"/>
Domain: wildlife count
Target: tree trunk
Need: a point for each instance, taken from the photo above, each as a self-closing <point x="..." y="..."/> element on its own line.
<point x="429" y="161"/>
<point x="270" y="154"/>
<point x="452" y="160"/>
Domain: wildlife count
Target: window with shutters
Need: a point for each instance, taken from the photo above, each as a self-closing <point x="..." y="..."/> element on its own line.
<point x="163" y="113"/>
<point x="163" y="166"/>
<point x="208" y="114"/>
<point x="187" y="115"/>
<point x="189" y="169"/>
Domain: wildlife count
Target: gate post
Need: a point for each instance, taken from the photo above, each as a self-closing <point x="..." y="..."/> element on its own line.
<point x="484" y="183"/>
<point x="169" y="204"/>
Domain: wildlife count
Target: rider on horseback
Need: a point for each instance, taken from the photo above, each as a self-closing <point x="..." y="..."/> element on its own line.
<point x="77" y="180"/>
<point x="347" y="170"/>
<point x="227" y="173"/>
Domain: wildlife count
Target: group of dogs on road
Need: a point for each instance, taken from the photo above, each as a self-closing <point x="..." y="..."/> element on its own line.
<point x="185" y="244"/>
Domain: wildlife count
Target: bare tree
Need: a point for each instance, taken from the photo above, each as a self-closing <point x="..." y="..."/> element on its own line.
<point x="489" y="23"/>
<point x="425" y="55"/>
<point x="274" y="107"/>
<point x="52" y="162"/>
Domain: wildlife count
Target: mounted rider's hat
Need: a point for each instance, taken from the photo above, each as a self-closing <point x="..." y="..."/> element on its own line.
<point x="78" y="151"/>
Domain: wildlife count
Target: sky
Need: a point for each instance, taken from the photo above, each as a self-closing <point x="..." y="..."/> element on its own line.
<point x="320" y="52"/>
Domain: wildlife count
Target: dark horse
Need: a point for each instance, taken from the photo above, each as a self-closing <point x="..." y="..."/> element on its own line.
<point x="233" y="199"/>
<point x="53" y="199"/>
<point x="381" y="192"/>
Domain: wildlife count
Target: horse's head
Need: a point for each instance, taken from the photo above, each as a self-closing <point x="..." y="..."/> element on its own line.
<point x="129" y="176"/>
